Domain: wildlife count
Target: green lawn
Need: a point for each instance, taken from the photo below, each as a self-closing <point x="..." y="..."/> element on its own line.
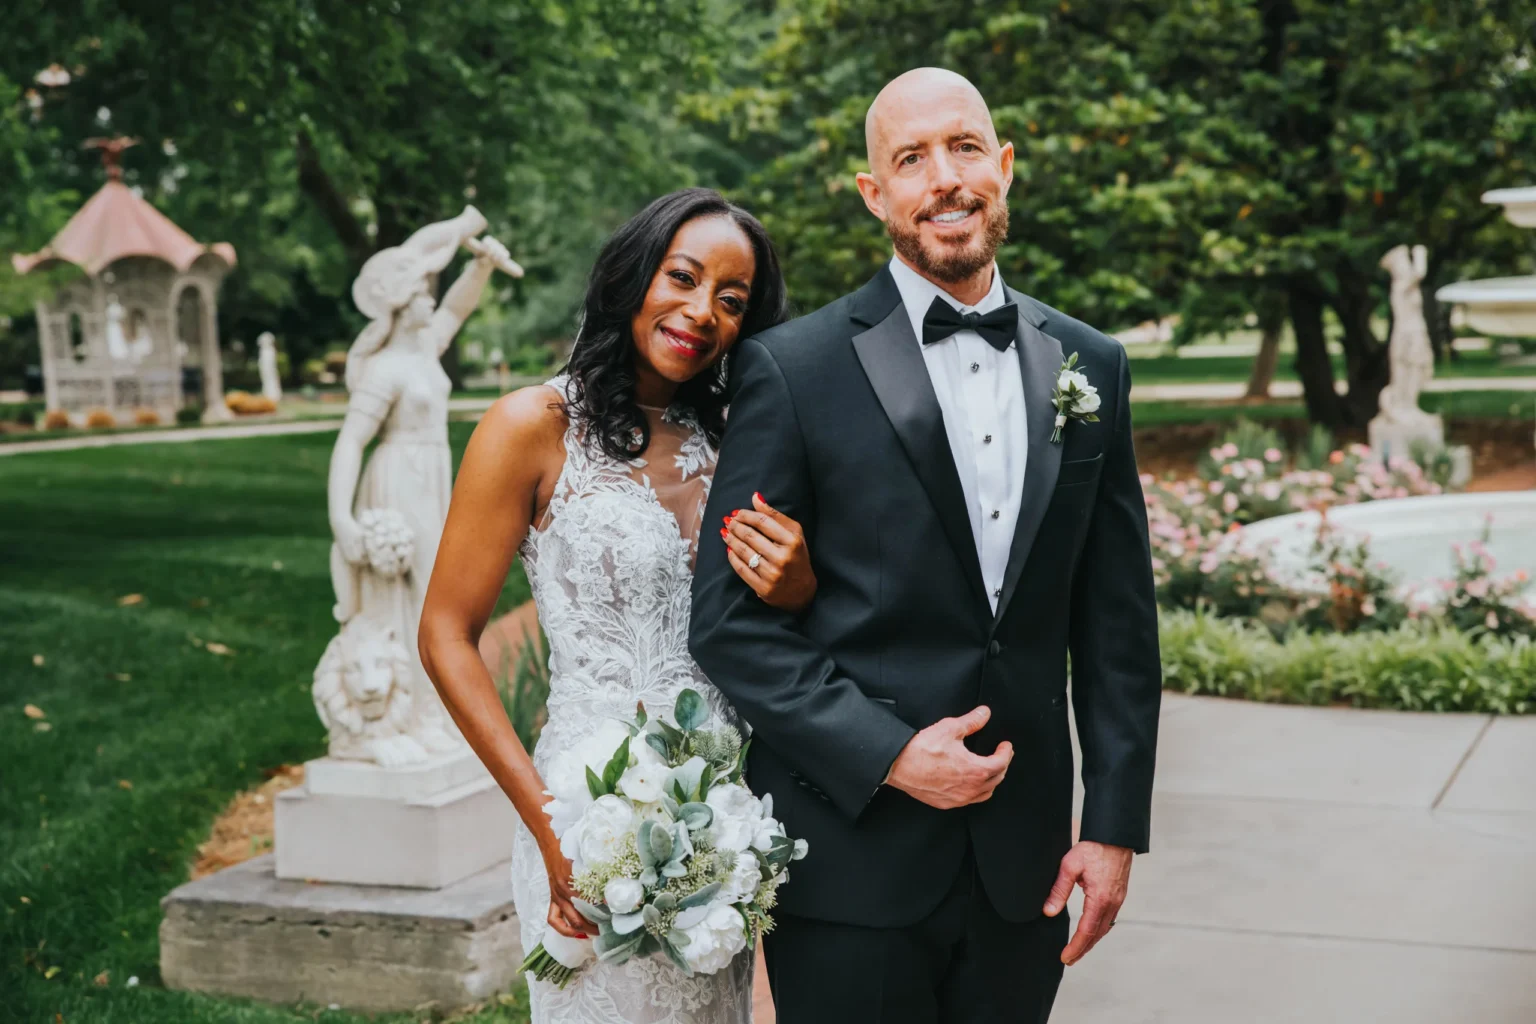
<point x="148" y="734"/>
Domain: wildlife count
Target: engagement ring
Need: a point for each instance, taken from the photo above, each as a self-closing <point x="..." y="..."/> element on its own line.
<point x="755" y="561"/>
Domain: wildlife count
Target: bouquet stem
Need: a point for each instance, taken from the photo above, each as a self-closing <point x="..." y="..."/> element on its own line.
<point x="546" y="968"/>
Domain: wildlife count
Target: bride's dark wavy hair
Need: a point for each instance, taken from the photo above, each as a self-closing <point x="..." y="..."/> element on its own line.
<point x="601" y="394"/>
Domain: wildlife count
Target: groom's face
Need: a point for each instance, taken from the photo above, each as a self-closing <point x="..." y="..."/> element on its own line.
<point x="939" y="179"/>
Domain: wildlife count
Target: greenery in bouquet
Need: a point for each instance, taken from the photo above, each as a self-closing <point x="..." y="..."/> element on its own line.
<point x="671" y="854"/>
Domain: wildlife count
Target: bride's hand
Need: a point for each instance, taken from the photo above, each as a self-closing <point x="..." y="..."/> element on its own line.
<point x="563" y="916"/>
<point x="783" y="577"/>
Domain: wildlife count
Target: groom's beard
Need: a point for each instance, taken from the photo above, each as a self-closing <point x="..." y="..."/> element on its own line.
<point x="953" y="263"/>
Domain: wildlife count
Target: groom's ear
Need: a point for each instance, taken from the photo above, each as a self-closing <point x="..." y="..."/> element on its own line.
<point x="874" y="196"/>
<point x="1005" y="162"/>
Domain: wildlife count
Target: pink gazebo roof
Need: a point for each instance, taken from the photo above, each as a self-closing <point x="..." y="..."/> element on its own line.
<point x="115" y="223"/>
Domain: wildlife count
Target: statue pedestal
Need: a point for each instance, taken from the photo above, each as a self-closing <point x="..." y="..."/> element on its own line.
<point x="246" y="932"/>
<point x="424" y="826"/>
<point x="1397" y="436"/>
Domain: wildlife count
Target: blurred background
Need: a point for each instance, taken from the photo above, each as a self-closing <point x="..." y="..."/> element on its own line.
<point x="1215" y="182"/>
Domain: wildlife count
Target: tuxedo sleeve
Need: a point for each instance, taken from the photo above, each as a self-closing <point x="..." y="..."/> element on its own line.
<point x="1116" y="671"/>
<point x="785" y="685"/>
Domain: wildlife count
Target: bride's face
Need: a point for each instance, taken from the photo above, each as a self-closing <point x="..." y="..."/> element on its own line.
<point x="697" y="300"/>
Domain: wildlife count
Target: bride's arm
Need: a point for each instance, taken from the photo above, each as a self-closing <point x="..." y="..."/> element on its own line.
<point x="508" y="470"/>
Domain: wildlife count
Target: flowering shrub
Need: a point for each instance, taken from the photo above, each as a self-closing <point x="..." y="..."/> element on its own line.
<point x="1352" y="593"/>
<point x="1476" y="601"/>
<point x="1247" y="488"/>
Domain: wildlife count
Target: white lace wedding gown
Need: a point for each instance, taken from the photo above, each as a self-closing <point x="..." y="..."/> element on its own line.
<point x="611" y="565"/>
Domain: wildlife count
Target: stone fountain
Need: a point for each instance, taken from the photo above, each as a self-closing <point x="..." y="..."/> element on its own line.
<point x="1501" y="306"/>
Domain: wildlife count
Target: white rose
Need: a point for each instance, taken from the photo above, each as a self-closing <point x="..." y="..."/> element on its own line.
<point x="737" y="815"/>
<point x="763" y="836"/>
<point x="596" y="837"/>
<point x="714" y="942"/>
<point x="1089" y="403"/>
<point x="623" y="895"/>
<point x="744" y="880"/>
<point x="642" y="783"/>
<point x="1070" y="379"/>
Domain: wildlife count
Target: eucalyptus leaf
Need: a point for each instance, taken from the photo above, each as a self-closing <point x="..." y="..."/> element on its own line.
<point x="658" y="743"/>
<point x="691" y="711"/>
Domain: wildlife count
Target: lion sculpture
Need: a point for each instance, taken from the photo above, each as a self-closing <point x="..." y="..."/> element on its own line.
<point x="362" y="691"/>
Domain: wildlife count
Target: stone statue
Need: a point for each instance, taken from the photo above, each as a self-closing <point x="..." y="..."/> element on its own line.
<point x="266" y="362"/>
<point x="362" y="692"/>
<point x="387" y="517"/>
<point x="1401" y="424"/>
<point x="117" y="338"/>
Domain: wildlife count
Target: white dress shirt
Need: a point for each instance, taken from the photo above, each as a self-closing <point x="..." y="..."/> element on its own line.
<point x="981" y="393"/>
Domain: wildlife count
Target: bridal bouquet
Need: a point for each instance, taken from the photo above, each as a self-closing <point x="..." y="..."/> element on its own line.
<point x="671" y="854"/>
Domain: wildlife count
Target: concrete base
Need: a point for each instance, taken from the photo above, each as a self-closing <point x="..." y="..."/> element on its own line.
<point x="1397" y="437"/>
<point x="245" y="932"/>
<point x="426" y="826"/>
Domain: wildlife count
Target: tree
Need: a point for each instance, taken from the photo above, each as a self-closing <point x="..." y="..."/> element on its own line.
<point x="314" y="132"/>
<point x="1179" y="155"/>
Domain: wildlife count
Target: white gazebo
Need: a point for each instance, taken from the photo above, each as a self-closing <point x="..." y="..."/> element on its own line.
<point x="117" y="338"/>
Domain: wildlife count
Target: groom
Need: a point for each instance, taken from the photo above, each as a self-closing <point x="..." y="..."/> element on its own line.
<point x="912" y="723"/>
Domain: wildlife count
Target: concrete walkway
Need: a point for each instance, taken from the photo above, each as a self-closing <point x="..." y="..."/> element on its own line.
<point x="219" y="433"/>
<point x="1326" y="865"/>
<point x="1229" y="391"/>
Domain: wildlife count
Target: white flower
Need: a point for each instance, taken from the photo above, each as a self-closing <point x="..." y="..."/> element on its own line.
<point x="569" y="952"/>
<point x="1089" y="402"/>
<point x="596" y="837"/>
<point x="1070" y="379"/>
<point x="744" y="880"/>
<point x="567" y="775"/>
<point x="623" y="895"/>
<point x="767" y="829"/>
<point x="714" y="942"/>
<point x="642" y="782"/>
<point x="737" y="816"/>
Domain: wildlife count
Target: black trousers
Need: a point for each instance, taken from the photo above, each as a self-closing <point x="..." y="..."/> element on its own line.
<point x="963" y="964"/>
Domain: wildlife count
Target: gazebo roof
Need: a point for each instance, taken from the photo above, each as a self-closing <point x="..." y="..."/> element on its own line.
<point x="115" y="223"/>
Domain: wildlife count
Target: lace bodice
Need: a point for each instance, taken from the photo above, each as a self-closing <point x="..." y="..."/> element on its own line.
<point x="611" y="566"/>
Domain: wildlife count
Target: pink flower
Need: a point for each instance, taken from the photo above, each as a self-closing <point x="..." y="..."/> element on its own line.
<point x="1492" y="621"/>
<point x="1272" y="455"/>
<point x="1229" y="502"/>
<point x="1229" y="450"/>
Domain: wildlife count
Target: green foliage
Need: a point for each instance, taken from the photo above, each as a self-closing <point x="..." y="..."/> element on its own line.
<point x="1409" y="669"/>
<point x="524" y="688"/>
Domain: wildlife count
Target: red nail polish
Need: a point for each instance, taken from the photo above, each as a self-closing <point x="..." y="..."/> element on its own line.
<point x="723" y="534"/>
<point x="729" y="518"/>
<point x="758" y="496"/>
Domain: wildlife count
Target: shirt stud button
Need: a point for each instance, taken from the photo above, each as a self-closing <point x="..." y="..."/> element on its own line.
<point x="975" y="367"/>
<point x="997" y="514"/>
<point x="998" y="592"/>
<point x="987" y="439"/>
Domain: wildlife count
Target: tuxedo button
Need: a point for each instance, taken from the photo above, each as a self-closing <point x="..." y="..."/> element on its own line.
<point x="994" y="648"/>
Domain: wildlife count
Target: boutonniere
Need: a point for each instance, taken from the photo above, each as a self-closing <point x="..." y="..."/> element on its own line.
<point x="1074" y="398"/>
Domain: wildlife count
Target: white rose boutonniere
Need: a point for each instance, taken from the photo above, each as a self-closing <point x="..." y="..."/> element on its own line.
<point x="1074" y="398"/>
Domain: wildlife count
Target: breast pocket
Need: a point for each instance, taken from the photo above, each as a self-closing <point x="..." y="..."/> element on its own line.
<point x="1079" y="472"/>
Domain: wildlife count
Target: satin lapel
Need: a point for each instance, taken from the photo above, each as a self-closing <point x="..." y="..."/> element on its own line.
<point x="1040" y="362"/>
<point x="893" y="362"/>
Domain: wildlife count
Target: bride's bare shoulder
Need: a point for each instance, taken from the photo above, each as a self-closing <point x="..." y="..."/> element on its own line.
<point x="528" y="416"/>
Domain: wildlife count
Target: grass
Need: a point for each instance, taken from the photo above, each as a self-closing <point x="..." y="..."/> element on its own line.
<point x="148" y="734"/>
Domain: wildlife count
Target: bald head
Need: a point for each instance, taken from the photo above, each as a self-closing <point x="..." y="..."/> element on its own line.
<point x="938" y="178"/>
<point x="920" y="95"/>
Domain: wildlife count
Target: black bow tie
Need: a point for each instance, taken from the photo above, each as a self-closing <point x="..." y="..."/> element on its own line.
<point x="997" y="328"/>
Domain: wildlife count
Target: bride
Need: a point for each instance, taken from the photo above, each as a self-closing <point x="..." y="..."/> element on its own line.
<point x="599" y="480"/>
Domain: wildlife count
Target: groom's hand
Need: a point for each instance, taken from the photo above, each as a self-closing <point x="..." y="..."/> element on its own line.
<point x="936" y="768"/>
<point x="1104" y="872"/>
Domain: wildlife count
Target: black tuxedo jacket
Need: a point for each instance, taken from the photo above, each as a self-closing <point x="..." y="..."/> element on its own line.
<point x="834" y="419"/>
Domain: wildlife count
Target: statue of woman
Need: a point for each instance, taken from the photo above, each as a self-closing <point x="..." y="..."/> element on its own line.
<point x="387" y="517"/>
